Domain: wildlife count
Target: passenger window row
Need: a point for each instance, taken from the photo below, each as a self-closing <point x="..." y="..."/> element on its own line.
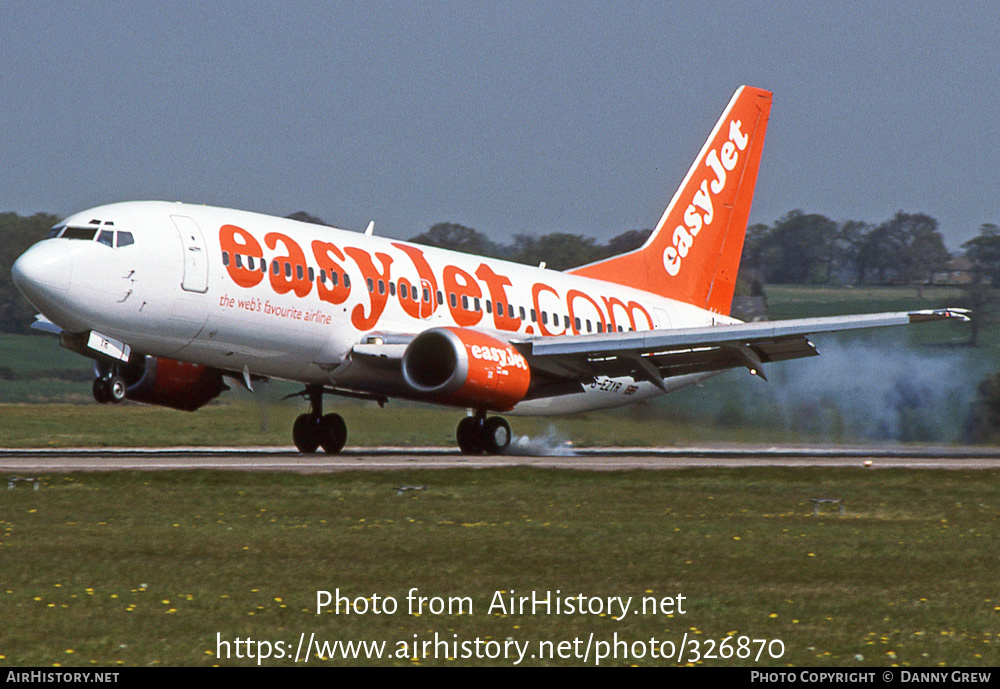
<point x="412" y="293"/>
<point x="285" y="267"/>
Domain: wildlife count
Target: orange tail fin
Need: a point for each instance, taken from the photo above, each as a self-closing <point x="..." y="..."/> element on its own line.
<point x="693" y="254"/>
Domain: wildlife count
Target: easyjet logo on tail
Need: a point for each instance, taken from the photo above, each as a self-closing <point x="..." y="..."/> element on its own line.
<point x="699" y="212"/>
<point x="694" y="254"/>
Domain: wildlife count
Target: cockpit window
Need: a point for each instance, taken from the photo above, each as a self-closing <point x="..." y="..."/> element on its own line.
<point x="108" y="237"/>
<point x="79" y="233"/>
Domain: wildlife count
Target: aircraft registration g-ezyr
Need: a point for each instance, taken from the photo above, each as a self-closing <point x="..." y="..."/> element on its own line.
<point x="173" y="300"/>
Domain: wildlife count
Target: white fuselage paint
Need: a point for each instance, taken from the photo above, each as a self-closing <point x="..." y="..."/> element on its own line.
<point x="170" y="295"/>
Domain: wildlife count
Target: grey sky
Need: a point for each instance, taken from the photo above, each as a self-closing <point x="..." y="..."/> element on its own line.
<point x="508" y="117"/>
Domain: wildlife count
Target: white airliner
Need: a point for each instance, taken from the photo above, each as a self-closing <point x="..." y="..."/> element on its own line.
<point x="172" y="300"/>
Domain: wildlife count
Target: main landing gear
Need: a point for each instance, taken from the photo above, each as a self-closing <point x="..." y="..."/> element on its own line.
<point x="477" y="434"/>
<point x="314" y="430"/>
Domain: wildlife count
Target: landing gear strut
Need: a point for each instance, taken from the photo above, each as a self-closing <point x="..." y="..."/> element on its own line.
<point x="314" y="430"/>
<point x="477" y="434"/>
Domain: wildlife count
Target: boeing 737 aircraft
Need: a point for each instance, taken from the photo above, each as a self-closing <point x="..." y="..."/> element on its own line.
<point x="173" y="300"/>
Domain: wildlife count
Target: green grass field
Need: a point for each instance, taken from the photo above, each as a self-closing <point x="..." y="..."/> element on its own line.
<point x="805" y="301"/>
<point x="243" y="423"/>
<point x="147" y="568"/>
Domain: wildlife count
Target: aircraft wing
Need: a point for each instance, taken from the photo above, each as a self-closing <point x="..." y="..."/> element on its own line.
<point x="654" y="355"/>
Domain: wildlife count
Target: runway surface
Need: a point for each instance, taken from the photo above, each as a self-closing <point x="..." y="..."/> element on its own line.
<point x="560" y="457"/>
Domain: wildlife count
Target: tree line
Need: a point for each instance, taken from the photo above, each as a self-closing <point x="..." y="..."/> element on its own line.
<point x="799" y="248"/>
<point x="807" y="248"/>
<point x="17" y="233"/>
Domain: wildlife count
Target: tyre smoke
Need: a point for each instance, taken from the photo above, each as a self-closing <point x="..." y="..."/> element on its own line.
<point x="888" y="391"/>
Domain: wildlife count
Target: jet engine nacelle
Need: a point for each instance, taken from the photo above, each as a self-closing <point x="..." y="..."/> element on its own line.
<point x="466" y="368"/>
<point x="170" y="383"/>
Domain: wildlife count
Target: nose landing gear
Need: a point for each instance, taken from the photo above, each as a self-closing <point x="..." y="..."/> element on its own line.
<point x="477" y="435"/>
<point x="109" y="388"/>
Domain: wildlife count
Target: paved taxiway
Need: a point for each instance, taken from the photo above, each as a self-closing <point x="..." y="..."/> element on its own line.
<point x="562" y="457"/>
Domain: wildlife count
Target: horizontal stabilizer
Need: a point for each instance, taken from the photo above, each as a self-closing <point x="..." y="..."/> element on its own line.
<point x="45" y="325"/>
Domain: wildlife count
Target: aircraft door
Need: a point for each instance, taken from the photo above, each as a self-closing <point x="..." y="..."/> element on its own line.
<point x="662" y="319"/>
<point x="195" y="254"/>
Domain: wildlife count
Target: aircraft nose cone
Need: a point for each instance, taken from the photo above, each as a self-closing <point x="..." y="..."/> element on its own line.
<point x="43" y="274"/>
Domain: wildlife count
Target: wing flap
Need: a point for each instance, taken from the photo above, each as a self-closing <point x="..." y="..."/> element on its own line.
<point x="786" y="348"/>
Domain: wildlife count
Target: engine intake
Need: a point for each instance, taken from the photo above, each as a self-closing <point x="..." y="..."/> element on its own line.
<point x="466" y="368"/>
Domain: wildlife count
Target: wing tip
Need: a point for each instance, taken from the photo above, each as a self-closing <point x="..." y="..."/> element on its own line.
<point x="961" y="315"/>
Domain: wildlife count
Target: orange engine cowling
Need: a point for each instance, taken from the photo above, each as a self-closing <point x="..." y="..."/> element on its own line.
<point x="466" y="368"/>
<point x="170" y="383"/>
